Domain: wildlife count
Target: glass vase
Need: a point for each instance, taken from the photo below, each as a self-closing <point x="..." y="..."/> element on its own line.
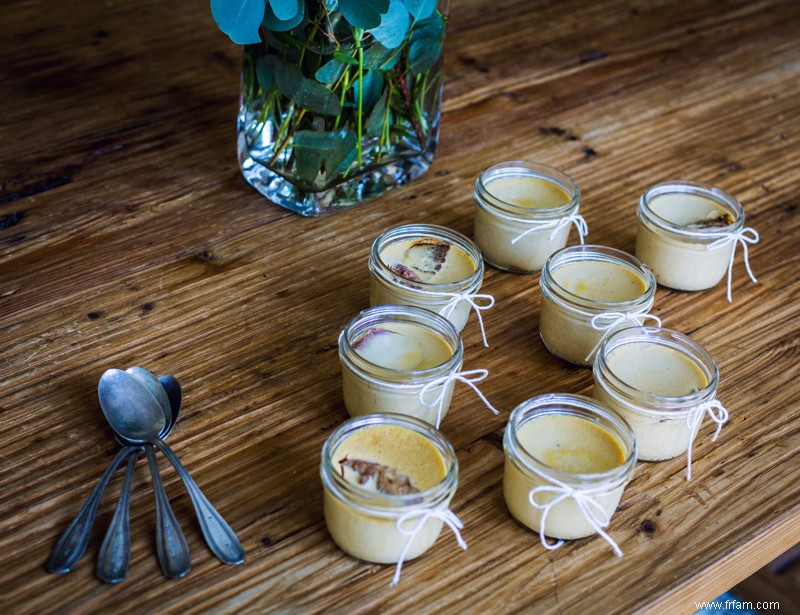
<point x="332" y="114"/>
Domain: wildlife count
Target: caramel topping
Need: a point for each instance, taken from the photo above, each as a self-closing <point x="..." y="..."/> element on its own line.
<point x="404" y="272"/>
<point x="387" y="480"/>
<point x="720" y="221"/>
<point x="428" y="254"/>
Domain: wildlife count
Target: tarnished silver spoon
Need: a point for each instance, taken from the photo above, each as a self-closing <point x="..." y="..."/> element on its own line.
<point x="73" y="542"/>
<point x="136" y="416"/>
<point x="115" y="553"/>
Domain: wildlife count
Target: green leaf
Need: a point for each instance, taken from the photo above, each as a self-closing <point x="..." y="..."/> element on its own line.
<point x="264" y="75"/>
<point x="432" y="27"/>
<point x="330" y="71"/>
<point x="373" y="85"/>
<point x="378" y="56"/>
<point x="305" y="92"/>
<point x="285" y="9"/>
<point x="345" y="58"/>
<point x="344" y="164"/>
<point x="420" y="9"/>
<point x="394" y="25"/>
<point x="425" y="45"/>
<point x="376" y="118"/>
<point x="321" y="152"/>
<point x="239" y="19"/>
<point x="272" y="21"/>
<point x="364" y="14"/>
<point x="422" y="55"/>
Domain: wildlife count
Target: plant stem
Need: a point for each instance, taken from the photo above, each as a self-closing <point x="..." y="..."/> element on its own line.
<point x="285" y="123"/>
<point x="410" y="106"/>
<point x="358" y="33"/>
<point x="384" y="140"/>
<point x="285" y="141"/>
<point x="344" y="81"/>
<point x="330" y="36"/>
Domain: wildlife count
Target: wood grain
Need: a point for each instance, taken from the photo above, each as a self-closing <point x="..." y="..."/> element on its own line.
<point x="128" y="237"/>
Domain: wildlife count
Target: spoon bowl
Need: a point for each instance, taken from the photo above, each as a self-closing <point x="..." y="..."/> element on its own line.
<point x="148" y="379"/>
<point x="174" y="394"/>
<point x="130" y="407"/>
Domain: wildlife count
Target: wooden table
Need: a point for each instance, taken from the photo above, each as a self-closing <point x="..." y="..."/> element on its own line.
<point x="130" y="238"/>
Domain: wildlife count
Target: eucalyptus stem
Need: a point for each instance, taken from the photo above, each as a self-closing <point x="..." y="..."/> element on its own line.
<point x="384" y="140"/>
<point x="344" y="80"/>
<point x="285" y="141"/>
<point x="266" y="111"/>
<point x="358" y="33"/>
<point x="284" y="125"/>
<point x="330" y="36"/>
<point x="401" y="81"/>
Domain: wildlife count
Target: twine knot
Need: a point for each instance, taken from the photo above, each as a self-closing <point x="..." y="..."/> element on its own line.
<point x="590" y="508"/>
<point x="608" y="321"/>
<point x="574" y="218"/>
<point x="470" y="298"/>
<point x="745" y="236"/>
<point x="717" y="412"/>
<point x="422" y="516"/>
<point x="469" y="378"/>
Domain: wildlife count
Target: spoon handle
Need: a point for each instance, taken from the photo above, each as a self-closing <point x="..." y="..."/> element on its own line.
<point x="218" y="534"/>
<point x="72" y="544"/>
<point x="115" y="554"/>
<point x="171" y="546"/>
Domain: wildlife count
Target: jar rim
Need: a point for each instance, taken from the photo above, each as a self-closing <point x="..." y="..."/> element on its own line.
<point x="578" y="406"/>
<point x="412" y="231"/>
<point x="589" y="252"/>
<point x="683" y="186"/>
<point x="374" y="316"/>
<point x="664" y="406"/>
<point x="524" y="168"/>
<point x="386" y="504"/>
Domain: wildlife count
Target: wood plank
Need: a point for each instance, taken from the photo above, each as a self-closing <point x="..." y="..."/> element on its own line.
<point x="132" y="239"/>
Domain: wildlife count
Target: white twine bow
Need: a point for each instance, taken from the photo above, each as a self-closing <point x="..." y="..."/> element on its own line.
<point x="574" y="218"/>
<point x="477" y="376"/>
<point x="422" y="516"/>
<point x="456" y="298"/>
<point x="694" y="418"/>
<point x="608" y="321"/>
<point x="743" y="238"/>
<point x="590" y="508"/>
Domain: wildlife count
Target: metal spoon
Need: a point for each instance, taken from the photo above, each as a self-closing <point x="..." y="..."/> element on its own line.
<point x="135" y="414"/>
<point x="115" y="553"/>
<point x="73" y="542"/>
<point x="132" y="391"/>
<point x="153" y="385"/>
<point x="174" y="394"/>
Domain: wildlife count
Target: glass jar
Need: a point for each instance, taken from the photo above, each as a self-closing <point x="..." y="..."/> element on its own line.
<point x="369" y="388"/>
<point x="452" y="300"/>
<point x="388" y="528"/>
<point x="573" y="324"/>
<point x="554" y="502"/>
<point x="333" y="112"/>
<point x="523" y="213"/>
<point x="687" y="234"/>
<point x="662" y="383"/>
